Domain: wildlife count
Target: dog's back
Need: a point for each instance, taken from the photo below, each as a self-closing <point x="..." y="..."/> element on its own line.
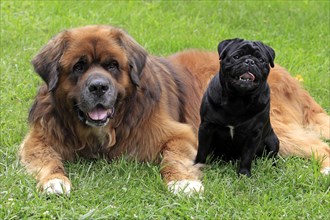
<point x="202" y="64"/>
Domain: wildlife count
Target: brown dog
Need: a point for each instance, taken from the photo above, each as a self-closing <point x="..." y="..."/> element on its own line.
<point x="105" y="96"/>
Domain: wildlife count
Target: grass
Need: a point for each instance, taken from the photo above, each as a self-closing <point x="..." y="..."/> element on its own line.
<point x="298" y="31"/>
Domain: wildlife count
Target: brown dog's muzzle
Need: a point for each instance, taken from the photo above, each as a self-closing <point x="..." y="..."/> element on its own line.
<point x="97" y="100"/>
<point x="98" y="86"/>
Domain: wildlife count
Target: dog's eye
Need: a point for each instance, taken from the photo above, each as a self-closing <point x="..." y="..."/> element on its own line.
<point x="261" y="60"/>
<point x="236" y="57"/>
<point x="111" y="66"/>
<point x="79" y="67"/>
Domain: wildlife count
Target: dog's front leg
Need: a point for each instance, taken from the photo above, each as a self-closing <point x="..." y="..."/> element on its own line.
<point x="205" y="134"/>
<point x="45" y="164"/>
<point x="248" y="153"/>
<point x="177" y="166"/>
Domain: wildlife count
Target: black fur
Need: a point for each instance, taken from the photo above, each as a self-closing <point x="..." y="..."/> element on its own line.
<point x="235" y="121"/>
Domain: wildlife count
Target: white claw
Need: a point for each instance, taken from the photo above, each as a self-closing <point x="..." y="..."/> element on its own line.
<point x="186" y="187"/>
<point x="57" y="186"/>
<point x="325" y="171"/>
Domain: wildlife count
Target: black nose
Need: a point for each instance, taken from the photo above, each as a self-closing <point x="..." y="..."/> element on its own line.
<point x="249" y="62"/>
<point x="98" y="87"/>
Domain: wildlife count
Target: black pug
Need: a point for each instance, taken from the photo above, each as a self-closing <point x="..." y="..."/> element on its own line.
<point x="235" y="121"/>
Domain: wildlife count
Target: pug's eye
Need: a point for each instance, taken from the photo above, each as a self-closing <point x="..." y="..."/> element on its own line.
<point x="236" y="57"/>
<point x="112" y="66"/>
<point x="261" y="60"/>
<point x="79" y="67"/>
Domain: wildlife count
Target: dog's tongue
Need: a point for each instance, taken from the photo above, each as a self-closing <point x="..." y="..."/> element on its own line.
<point x="247" y="76"/>
<point x="98" y="114"/>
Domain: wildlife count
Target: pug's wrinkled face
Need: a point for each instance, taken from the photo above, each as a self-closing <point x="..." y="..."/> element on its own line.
<point x="244" y="64"/>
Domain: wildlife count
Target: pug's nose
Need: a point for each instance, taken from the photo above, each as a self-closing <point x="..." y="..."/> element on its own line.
<point x="249" y="62"/>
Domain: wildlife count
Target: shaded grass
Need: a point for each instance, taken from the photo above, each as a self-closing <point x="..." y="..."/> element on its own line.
<point x="299" y="33"/>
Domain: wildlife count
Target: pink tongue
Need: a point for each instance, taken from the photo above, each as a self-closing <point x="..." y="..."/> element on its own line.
<point x="248" y="75"/>
<point x="98" y="114"/>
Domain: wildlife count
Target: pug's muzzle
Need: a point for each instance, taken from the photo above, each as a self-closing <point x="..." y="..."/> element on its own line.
<point x="245" y="75"/>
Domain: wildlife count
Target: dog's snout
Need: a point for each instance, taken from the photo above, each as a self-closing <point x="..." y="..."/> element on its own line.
<point x="99" y="86"/>
<point x="249" y="62"/>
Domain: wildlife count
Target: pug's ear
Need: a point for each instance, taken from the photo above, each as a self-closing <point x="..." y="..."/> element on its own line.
<point x="269" y="51"/>
<point x="223" y="45"/>
<point x="271" y="55"/>
<point x="46" y="62"/>
<point x="136" y="54"/>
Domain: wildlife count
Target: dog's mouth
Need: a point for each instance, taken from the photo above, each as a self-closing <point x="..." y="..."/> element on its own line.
<point x="97" y="117"/>
<point x="244" y="82"/>
<point x="246" y="77"/>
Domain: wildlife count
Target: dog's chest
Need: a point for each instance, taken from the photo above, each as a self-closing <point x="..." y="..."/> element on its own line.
<point x="231" y="131"/>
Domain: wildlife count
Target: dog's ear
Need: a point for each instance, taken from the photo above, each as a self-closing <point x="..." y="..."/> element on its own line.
<point x="269" y="51"/>
<point x="136" y="54"/>
<point x="223" y="45"/>
<point x="46" y="62"/>
<point x="271" y="55"/>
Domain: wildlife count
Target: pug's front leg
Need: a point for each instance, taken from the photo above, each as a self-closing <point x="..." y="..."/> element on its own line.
<point x="248" y="154"/>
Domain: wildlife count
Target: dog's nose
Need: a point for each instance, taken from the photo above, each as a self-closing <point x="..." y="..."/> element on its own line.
<point x="98" y="87"/>
<point x="249" y="62"/>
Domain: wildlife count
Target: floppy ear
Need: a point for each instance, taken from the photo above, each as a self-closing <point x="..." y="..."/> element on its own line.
<point x="46" y="62"/>
<point x="269" y="51"/>
<point x="271" y="55"/>
<point x="136" y="54"/>
<point x="223" y="45"/>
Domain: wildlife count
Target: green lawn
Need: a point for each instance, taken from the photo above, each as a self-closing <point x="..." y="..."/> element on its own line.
<point x="299" y="32"/>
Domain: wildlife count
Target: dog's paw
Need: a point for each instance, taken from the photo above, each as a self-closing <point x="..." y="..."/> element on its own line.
<point x="325" y="170"/>
<point x="57" y="186"/>
<point x="244" y="172"/>
<point x="185" y="187"/>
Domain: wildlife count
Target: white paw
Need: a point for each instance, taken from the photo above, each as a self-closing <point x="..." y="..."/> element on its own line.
<point x="187" y="187"/>
<point x="325" y="171"/>
<point x="57" y="186"/>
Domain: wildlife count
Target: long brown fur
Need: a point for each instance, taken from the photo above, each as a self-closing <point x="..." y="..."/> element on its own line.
<point x="152" y="118"/>
<point x="157" y="114"/>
